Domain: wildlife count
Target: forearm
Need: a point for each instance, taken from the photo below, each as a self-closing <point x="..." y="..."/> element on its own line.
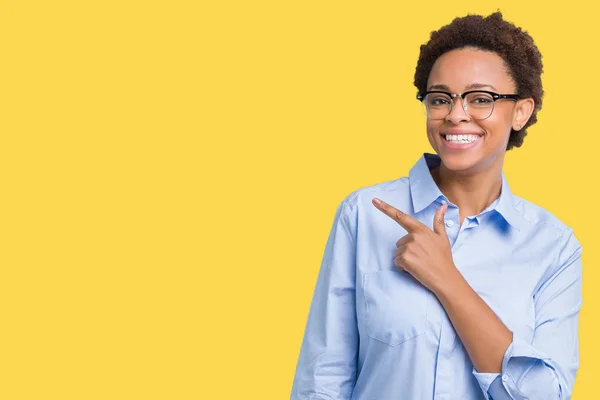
<point x="483" y="334"/>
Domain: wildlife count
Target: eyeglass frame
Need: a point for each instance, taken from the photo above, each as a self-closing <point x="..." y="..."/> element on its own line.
<point x="495" y="97"/>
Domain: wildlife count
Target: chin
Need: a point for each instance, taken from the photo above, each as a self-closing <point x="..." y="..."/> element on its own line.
<point x="460" y="162"/>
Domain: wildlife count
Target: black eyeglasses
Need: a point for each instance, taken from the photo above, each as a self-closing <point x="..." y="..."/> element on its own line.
<point x="478" y="104"/>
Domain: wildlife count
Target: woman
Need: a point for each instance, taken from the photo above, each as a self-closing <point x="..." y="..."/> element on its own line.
<point x="445" y="285"/>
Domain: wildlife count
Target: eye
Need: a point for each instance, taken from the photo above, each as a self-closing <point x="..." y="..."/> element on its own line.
<point x="480" y="99"/>
<point x="439" y="100"/>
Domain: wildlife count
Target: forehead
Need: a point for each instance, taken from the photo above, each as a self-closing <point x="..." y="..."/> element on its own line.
<point x="457" y="69"/>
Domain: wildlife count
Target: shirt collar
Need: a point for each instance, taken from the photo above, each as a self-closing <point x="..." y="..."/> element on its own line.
<point x="507" y="206"/>
<point x="424" y="191"/>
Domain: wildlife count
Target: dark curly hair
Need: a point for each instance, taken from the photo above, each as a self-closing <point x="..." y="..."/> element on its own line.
<point x="491" y="33"/>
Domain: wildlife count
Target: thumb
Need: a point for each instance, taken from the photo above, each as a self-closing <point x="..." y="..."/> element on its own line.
<point x="439" y="225"/>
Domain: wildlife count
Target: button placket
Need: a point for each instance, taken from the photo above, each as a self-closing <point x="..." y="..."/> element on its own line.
<point x="444" y="375"/>
<point x="450" y="222"/>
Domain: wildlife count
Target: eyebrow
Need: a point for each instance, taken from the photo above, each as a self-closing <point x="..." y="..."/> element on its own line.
<point x="469" y="87"/>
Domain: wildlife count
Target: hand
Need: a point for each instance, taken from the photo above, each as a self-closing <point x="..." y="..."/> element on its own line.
<point x="423" y="253"/>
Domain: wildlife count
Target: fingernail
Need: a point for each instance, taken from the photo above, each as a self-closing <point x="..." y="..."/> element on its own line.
<point x="377" y="201"/>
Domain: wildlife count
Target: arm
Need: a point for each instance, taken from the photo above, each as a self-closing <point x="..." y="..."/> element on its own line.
<point x="483" y="334"/>
<point x="509" y="367"/>
<point x="326" y="368"/>
<point x="543" y="369"/>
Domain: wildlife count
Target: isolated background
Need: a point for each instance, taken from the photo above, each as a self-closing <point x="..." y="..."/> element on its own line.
<point x="169" y="173"/>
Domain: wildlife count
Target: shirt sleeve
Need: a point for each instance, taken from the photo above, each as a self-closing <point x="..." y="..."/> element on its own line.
<point x="326" y="368"/>
<point x="546" y="367"/>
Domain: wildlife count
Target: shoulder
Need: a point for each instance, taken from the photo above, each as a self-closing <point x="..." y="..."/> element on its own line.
<point x="542" y="223"/>
<point x="397" y="188"/>
<point x="357" y="208"/>
<point x="538" y="218"/>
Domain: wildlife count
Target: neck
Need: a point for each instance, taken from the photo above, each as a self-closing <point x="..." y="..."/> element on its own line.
<point x="471" y="192"/>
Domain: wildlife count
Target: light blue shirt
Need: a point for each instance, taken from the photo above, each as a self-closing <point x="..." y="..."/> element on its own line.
<point x="375" y="333"/>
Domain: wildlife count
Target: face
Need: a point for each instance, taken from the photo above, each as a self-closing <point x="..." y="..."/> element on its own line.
<point x="458" y="71"/>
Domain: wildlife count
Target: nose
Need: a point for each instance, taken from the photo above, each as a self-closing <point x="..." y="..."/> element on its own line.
<point x="457" y="113"/>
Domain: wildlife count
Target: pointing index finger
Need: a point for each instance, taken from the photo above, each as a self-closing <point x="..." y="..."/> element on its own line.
<point x="405" y="220"/>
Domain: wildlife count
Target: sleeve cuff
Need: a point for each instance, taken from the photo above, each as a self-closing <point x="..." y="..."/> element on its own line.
<point x="532" y="369"/>
<point x="519" y="358"/>
<point x="520" y="348"/>
<point x="485" y="380"/>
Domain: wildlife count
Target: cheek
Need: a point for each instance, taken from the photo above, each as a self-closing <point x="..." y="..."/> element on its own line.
<point x="433" y="129"/>
<point x="501" y="120"/>
<point x="498" y="126"/>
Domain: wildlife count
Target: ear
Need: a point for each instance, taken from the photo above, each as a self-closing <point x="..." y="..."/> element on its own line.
<point x="522" y="113"/>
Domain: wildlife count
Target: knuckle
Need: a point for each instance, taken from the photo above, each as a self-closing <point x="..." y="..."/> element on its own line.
<point x="403" y="257"/>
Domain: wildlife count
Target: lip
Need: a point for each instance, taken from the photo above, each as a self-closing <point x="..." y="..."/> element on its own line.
<point x="460" y="132"/>
<point x="460" y="146"/>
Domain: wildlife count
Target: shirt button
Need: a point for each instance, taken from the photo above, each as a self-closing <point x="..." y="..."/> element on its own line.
<point x="504" y="378"/>
<point x="450" y="223"/>
<point x="444" y="202"/>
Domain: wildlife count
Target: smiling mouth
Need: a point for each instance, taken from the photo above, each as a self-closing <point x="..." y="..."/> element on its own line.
<point x="461" y="139"/>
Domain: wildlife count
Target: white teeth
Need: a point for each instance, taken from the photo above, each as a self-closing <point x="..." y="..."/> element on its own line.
<point x="462" y="138"/>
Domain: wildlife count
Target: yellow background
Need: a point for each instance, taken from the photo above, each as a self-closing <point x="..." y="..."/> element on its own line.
<point x="170" y="173"/>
